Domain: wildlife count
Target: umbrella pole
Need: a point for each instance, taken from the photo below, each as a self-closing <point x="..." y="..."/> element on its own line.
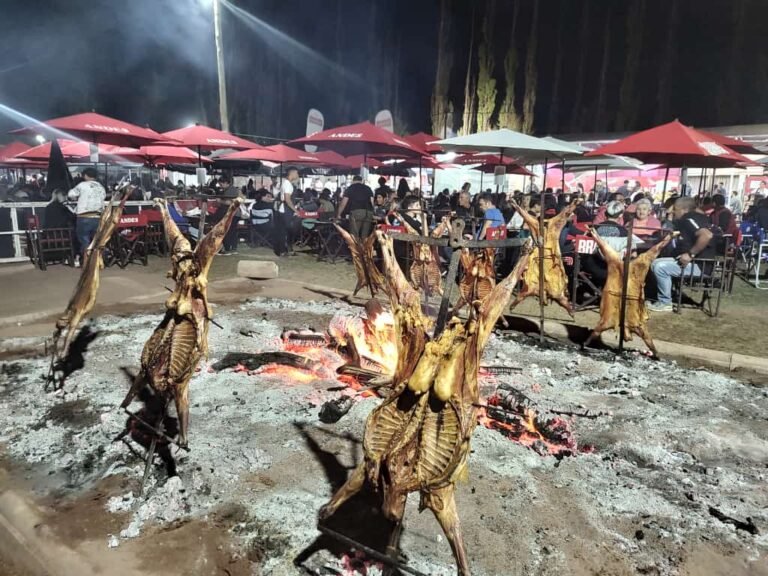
<point x="501" y="163"/>
<point x="701" y="180"/>
<point x="664" y="189"/>
<point x="420" y="179"/>
<point x="624" y="284"/>
<point x="481" y="181"/>
<point x="199" y="157"/>
<point x="562" y="177"/>
<point x="714" y="171"/>
<point x="594" y="187"/>
<point x="541" y="255"/>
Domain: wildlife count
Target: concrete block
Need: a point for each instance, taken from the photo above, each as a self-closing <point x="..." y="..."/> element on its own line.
<point x="261" y="269"/>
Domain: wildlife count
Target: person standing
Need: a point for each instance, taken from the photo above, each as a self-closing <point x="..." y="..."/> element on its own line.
<point x="736" y="205"/>
<point x="358" y="199"/>
<point x="282" y="191"/>
<point x="402" y="189"/>
<point x="90" y="196"/>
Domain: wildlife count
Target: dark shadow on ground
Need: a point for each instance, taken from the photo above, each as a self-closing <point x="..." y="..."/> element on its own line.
<point x="360" y="518"/>
<point x="75" y="358"/>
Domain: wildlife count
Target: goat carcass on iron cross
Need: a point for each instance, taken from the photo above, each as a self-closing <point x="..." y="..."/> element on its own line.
<point x="418" y="438"/>
<point x="174" y="349"/>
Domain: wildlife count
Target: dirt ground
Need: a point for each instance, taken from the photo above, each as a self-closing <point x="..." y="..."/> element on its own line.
<point x="672" y="443"/>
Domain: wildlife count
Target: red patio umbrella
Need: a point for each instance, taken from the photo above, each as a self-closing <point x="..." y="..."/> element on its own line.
<point x="363" y="139"/>
<point x="488" y="162"/>
<point x="13" y="149"/>
<point x="69" y="148"/>
<point x="161" y="154"/>
<point x="422" y="140"/>
<point x="279" y="153"/>
<point x="97" y="128"/>
<point x="199" y="137"/>
<point x="674" y="145"/>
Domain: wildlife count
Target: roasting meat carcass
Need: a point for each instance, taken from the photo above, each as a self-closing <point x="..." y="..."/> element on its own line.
<point x="479" y="276"/>
<point x="174" y="349"/>
<point x="368" y="274"/>
<point x="418" y="438"/>
<point x="84" y="297"/>
<point x="425" y="268"/>
<point x="555" y="279"/>
<point x="636" y="315"/>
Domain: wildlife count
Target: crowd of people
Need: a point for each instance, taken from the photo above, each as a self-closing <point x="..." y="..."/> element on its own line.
<point x="278" y="212"/>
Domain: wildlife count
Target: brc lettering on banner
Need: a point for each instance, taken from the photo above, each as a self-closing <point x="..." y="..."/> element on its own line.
<point x="585" y="245"/>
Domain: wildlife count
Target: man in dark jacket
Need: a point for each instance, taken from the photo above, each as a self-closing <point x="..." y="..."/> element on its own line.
<point x="694" y="241"/>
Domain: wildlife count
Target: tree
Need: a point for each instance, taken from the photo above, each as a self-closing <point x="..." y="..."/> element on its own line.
<point x="508" y="116"/>
<point x="441" y="105"/>
<point x="628" y="97"/>
<point x="728" y="92"/>
<point x="470" y="86"/>
<point x="578" y="96"/>
<point x="554" y="107"/>
<point x="531" y="74"/>
<point x="600" y="116"/>
<point x="486" y="83"/>
<point x="667" y="64"/>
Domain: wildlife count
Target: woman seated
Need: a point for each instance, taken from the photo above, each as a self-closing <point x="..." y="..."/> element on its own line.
<point x="645" y="223"/>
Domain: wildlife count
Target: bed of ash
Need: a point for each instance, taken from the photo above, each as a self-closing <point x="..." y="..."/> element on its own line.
<point x="673" y="443"/>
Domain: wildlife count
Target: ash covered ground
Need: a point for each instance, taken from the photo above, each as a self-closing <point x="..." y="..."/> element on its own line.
<point x="673" y="444"/>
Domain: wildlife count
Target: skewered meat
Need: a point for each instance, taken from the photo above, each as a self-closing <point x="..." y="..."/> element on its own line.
<point x="479" y="276"/>
<point x="636" y="315"/>
<point x="84" y="297"/>
<point x="555" y="279"/>
<point x="368" y="274"/>
<point x="175" y="348"/>
<point x="418" y="438"/>
<point x="425" y="268"/>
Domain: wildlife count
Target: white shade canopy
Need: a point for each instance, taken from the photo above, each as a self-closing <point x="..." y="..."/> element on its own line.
<point x="508" y="143"/>
<point x="608" y="162"/>
<point x="577" y="148"/>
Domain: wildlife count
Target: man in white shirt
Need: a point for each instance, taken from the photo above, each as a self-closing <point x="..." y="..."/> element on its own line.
<point x="90" y="196"/>
<point x="284" y="210"/>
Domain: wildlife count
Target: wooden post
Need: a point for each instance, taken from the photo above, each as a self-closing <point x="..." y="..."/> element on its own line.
<point x="541" y="254"/>
<point x="664" y="189"/>
<point x="624" y="284"/>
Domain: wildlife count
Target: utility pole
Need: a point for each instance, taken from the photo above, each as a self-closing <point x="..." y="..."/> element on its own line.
<point x="220" y="66"/>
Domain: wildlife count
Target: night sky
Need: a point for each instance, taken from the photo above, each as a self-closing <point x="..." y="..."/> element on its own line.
<point x="153" y="62"/>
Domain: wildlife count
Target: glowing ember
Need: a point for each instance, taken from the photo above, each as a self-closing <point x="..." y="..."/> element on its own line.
<point x="546" y="437"/>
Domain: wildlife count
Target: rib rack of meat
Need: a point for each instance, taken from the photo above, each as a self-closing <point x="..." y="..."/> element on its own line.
<point x="636" y="315"/>
<point x="174" y="349"/>
<point x="368" y="274"/>
<point x="555" y="280"/>
<point x="418" y="439"/>
<point x="425" y="268"/>
<point x="84" y="297"/>
<point x="479" y="276"/>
